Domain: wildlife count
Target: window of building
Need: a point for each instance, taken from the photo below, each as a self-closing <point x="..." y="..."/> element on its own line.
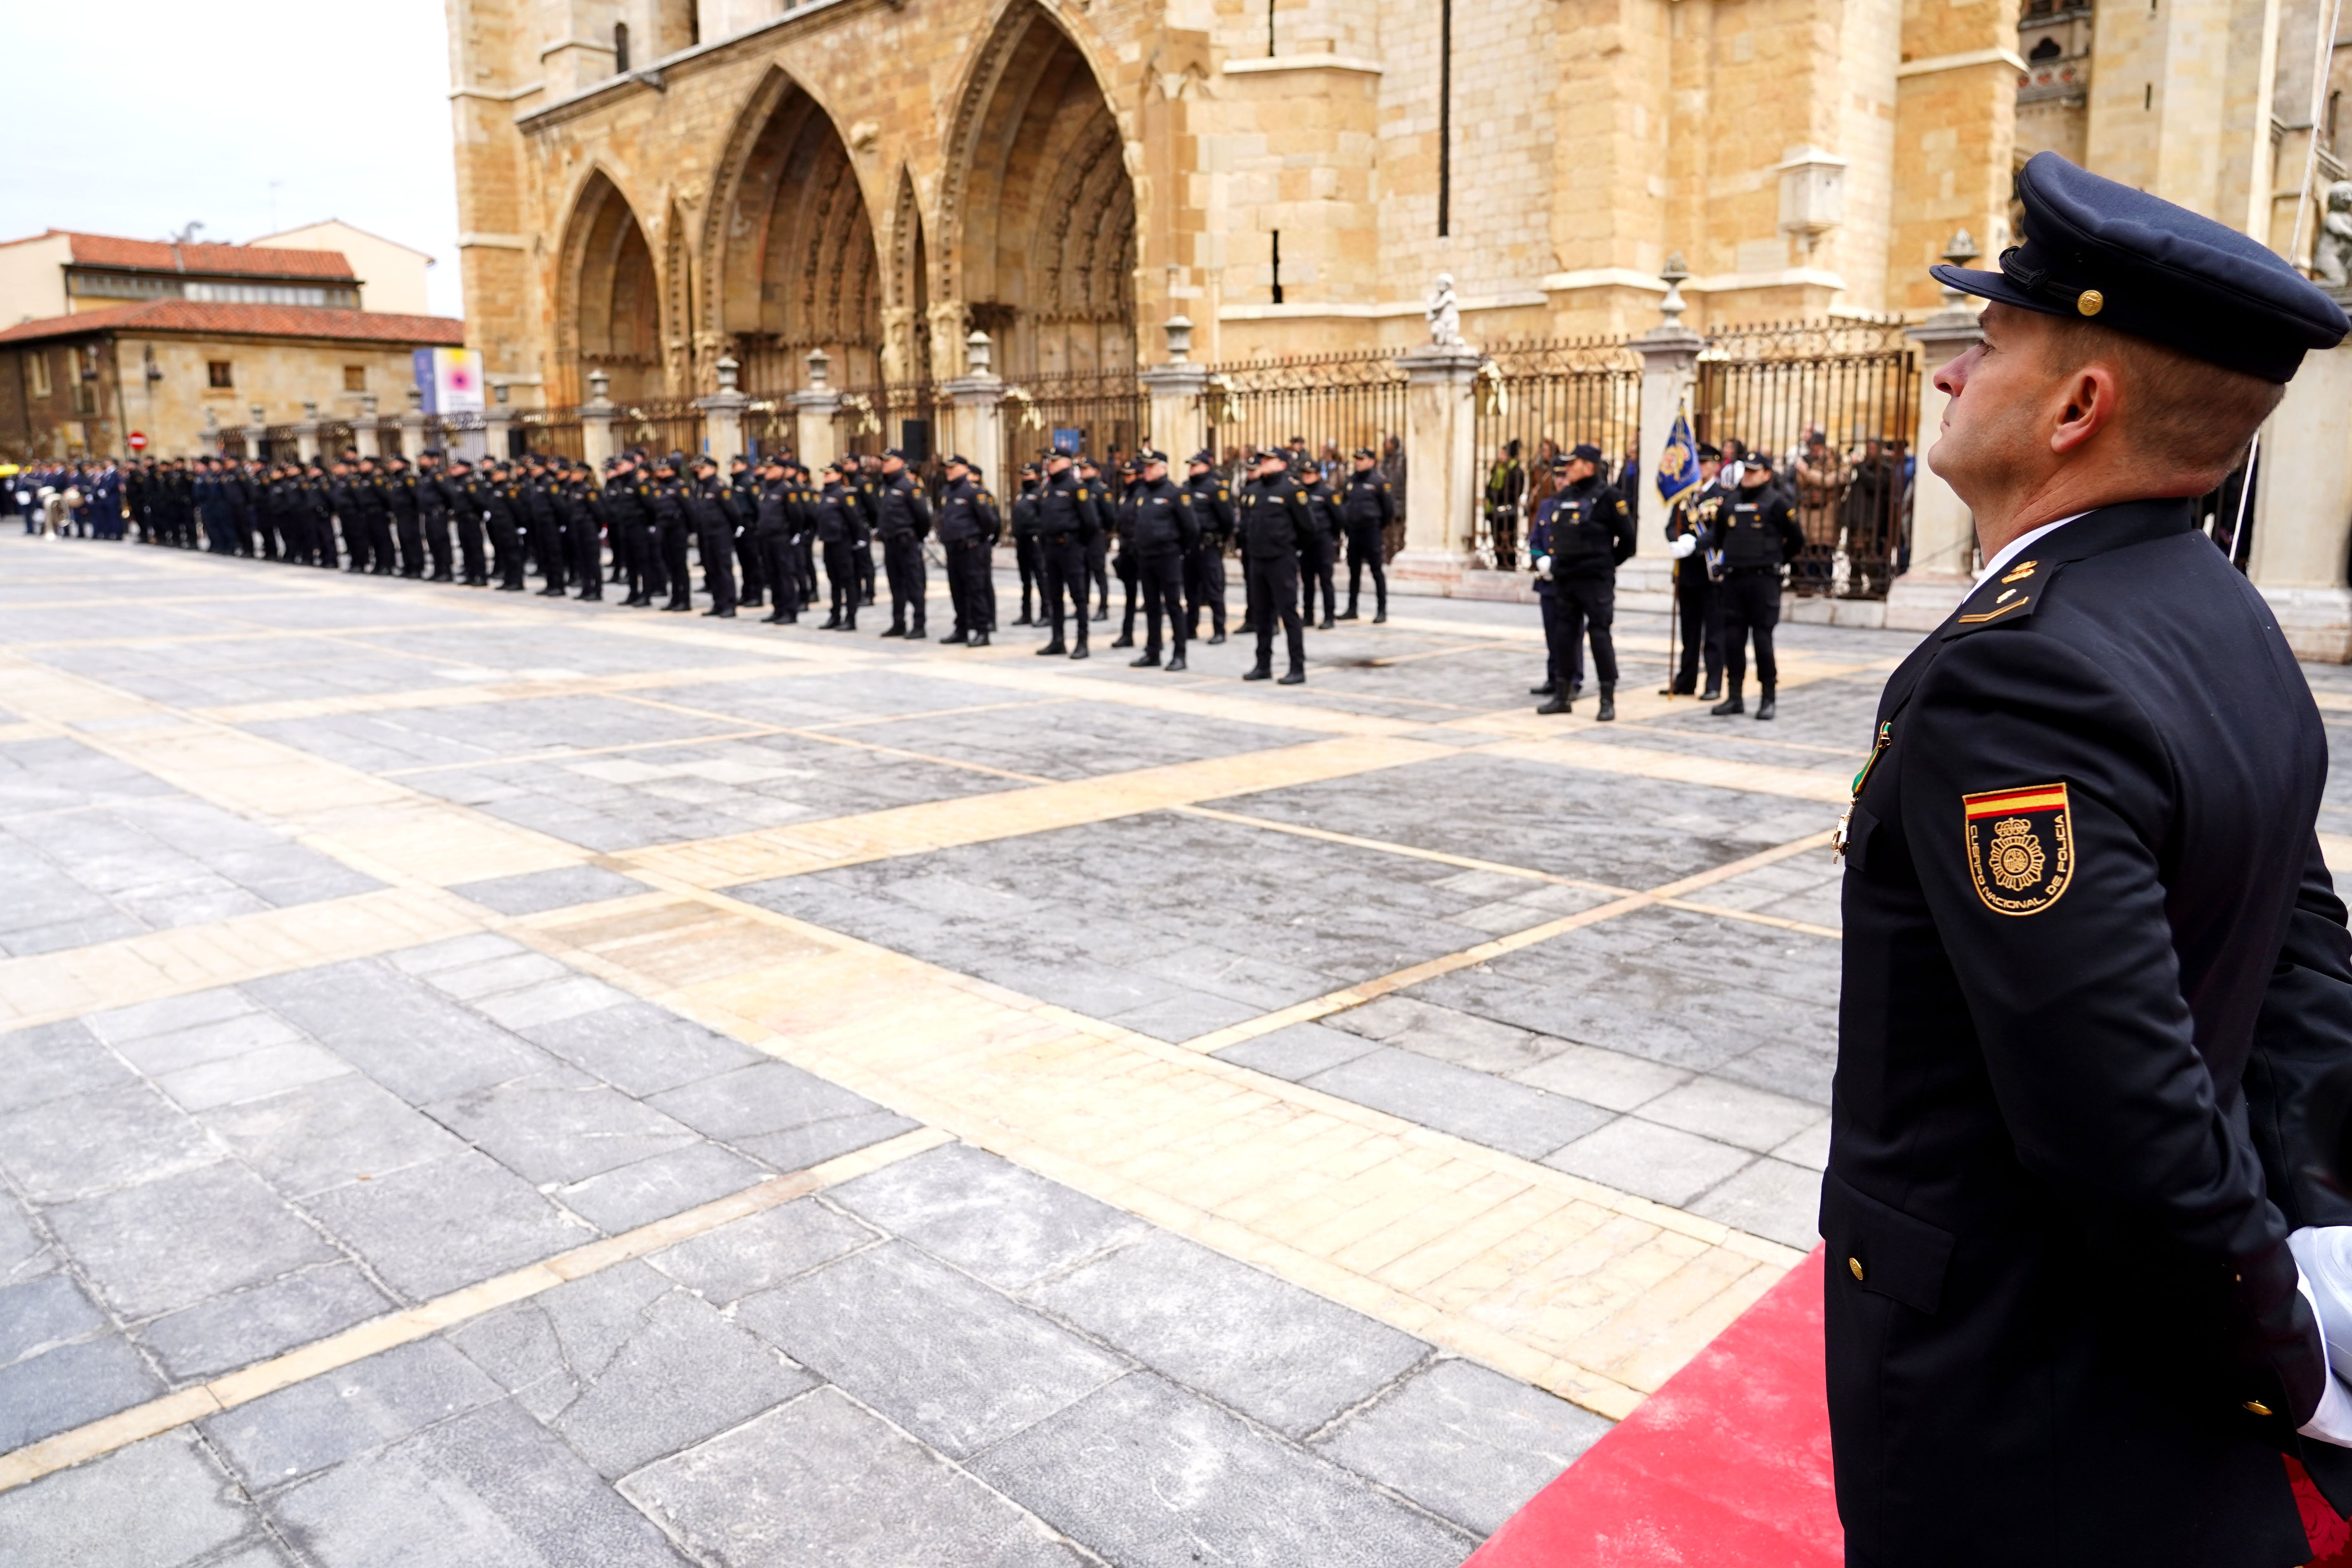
<point x="217" y="373"/>
<point x="354" y="378"/>
<point x="2047" y="50"/>
<point x="85" y="397"/>
<point x="271" y="293"/>
<point x="620" y="49"/>
<point x="38" y="364"/>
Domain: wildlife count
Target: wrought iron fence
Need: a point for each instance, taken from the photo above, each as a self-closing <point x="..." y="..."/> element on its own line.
<point x="904" y="415"/>
<point x="658" y="425"/>
<point x="769" y="425"/>
<point x="1333" y="403"/>
<point x="1835" y="403"/>
<point x="463" y="436"/>
<point x="387" y="436"/>
<point x="335" y="439"/>
<point x="1103" y="414"/>
<point x="280" y="445"/>
<point x="552" y="432"/>
<point x="1537" y="398"/>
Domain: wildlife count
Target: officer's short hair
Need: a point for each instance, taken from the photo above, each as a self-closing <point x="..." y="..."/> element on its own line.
<point x="2190" y="412"/>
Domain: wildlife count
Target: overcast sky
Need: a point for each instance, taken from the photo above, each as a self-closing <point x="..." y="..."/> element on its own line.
<point x="137" y="117"/>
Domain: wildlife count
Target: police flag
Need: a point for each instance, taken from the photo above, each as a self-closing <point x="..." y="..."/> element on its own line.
<point x="1678" y="463"/>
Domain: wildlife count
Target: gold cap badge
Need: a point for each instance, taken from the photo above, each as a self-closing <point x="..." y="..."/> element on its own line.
<point x="2091" y="302"/>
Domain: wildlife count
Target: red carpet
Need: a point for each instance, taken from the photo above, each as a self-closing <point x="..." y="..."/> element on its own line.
<point x="1727" y="1466"/>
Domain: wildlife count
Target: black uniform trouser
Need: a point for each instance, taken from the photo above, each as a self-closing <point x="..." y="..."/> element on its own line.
<point x="717" y="545"/>
<point x="862" y="557"/>
<point x="841" y="571"/>
<point x="751" y="558"/>
<point x="1366" y="548"/>
<point x="1067" y="571"/>
<point x="1588" y="604"/>
<point x="411" y="534"/>
<point x="645" y="578"/>
<point x="547" y="536"/>
<point x="1314" y="568"/>
<point x="1204" y="585"/>
<point x="1127" y="576"/>
<point x="1698" y="604"/>
<point x="804" y="559"/>
<point x="436" y="528"/>
<point x="1751" y="602"/>
<point x="669" y="537"/>
<point x="1033" y="575"/>
<point x="1162" y="577"/>
<point x="322" y="540"/>
<point x="1097" y="558"/>
<point x="967" y="584"/>
<point x="506" y="545"/>
<point x="902" y="564"/>
<point x="587" y="555"/>
<point x="379" y="536"/>
<point x="470" y="545"/>
<point x="776" y="549"/>
<point x="1272" y="589"/>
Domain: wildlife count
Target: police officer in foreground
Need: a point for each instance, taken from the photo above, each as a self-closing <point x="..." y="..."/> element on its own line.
<point x="1161" y="530"/>
<point x="1066" y="527"/>
<point x="1588" y="534"/>
<point x="1275" y="522"/>
<point x="968" y="526"/>
<point x="902" y="521"/>
<point x="1757" y="535"/>
<point x="1204" y="566"/>
<point x="2093" y="956"/>
<point x="1366" y="509"/>
<point x="1690" y="525"/>
<point x="710" y="508"/>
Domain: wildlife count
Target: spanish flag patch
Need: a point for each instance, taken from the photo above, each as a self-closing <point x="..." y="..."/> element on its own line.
<point x="2021" y="846"/>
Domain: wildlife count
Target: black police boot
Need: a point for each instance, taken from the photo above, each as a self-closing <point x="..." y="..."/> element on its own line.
<point x="1142" y="661"/>
<point x="896" y="631"/>
<point x="1607" y="702"/>
<point x="915" y="632"/>
<point x="1079" y="651"/>
<point x="1555" y="704"/>
<point x="1714" y="689"/>
<point x="956" y="636"/>
<point x="1292" y="677"/>
<point x="1730" y="704"/>
<point x="551" y="591"/>
<point x="1764" y="704"/>
<point x="1216" y="637"/>
<point x="1349" y="614"/>
<point x="775" y="618"/>
<point x="1258" y="672"/>
<point x="1176" y="664"/>
<point x="1549" y="688"/>
<point x="1125" y="641"/>
<point x="1325" y="626"/>
<point x="977" y="639"/>
<point x="1053" y="649"/>
<point x="1381" y="614"/>
<point x="832" y="622"/>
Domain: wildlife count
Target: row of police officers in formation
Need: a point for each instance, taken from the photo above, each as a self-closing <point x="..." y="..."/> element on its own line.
<point x="1731" y="537"/>
<point x="761" y="532"/>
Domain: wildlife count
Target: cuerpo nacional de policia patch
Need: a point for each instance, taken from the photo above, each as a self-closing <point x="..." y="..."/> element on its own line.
<point x="2021" y="846"/>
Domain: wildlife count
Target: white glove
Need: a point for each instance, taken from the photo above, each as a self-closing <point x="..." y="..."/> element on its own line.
<point x="1543" y="565"/>
<point x="2323" y="1261"/>
<point x="1685" y="547"/>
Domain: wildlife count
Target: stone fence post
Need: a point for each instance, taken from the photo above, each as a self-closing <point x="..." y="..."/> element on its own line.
<point x="596" y="418"/>
<point x="2303" y="510"/>
<point x="257" y="432"/>
<point x="976" y="423"/>
<point x="413" y="425"/>
<point x="498" y="421"/>
<point x="814" y="410"/>
<point x="1669" y="354"/>
<point x="723" y="412"/>
<point x="1174" y="390"/>
<point x="365" y="439"/>
<point x="305" y="434"/>
<point x="1943" y="534"/>
<point x="1441" y="468"/>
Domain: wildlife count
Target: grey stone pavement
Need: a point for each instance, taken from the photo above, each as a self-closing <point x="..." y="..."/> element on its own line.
<point x="949" y="1359"/>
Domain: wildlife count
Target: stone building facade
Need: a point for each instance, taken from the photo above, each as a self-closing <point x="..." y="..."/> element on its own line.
<point x="877" y="179"/>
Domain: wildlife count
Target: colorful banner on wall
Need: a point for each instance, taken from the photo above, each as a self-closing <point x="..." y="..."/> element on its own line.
<point x="451" y="379"/>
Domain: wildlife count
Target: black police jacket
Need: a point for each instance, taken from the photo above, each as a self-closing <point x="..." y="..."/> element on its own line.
<point x="899" y="510"/>
<point x="666" y="503"/>
<point x="1024" y="511"/>
<point x="1757" y="528"/>
<point x="1065" y="510"/>
<point x="838" y="521"/>
<point x="1212" y="506"/>
<point x="1366" y="503"/>
<point x="1274" y="519"/>
<point x="1161" y="519"/>
<point x="710" y="508"/>
<point x="965" y="514"/>
<point x="777" y="507"/>
<point x="1591" y="527"/>
<point x="2092" y="958"/>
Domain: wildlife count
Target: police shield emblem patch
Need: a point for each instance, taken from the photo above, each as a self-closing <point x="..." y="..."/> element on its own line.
<point x="2021" y="846"/>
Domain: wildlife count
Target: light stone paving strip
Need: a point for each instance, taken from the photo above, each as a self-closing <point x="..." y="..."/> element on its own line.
<point x="34" y="1460"/>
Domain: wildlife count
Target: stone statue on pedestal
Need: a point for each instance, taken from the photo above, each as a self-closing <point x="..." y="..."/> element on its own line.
<point x="1444" y="314"/>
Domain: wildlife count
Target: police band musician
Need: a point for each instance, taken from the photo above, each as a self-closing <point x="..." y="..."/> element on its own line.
<point x="2085" y="1286"/>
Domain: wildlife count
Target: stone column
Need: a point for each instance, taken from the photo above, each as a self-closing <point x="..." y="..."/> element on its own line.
<point x="1441" y="468"/>
<point x="258" y="431"/>
<point x="814" y="408"/>
<point x="1177" y="423"/>
<point x="414" y="426"/>
<point x="364" y="439"/>
<point x="1669" y="354"/>
<point x="496" y="421"/>
<point x="596" y="418"/>
<point x="1943" y="533"/>
<point x="305" y="434"/>
<point x="976" y="425"/>
<point x="723" y="412"/>
<point x="2303" y="510"/>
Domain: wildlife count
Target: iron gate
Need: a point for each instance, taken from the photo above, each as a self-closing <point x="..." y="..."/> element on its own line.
<point x="1835" y="404"/>
<point x="1537" y="399"/>
<point x="1334" y="404"/>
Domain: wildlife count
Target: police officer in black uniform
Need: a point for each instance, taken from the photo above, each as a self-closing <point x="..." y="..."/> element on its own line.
<point x="751" y="558"/>
<point x="1274" y="518"/>
<point x="1757" y="533"/>
<point x="1204" y="564"/>
<point x="710" y="513"/>
<point x="840" y="528"/>
<point x="2093" y="958"/>
<point x="1589" y="530"/>
<point x="1366" y="509"/>
<point x="1066" y="529"/>
<point x="1024" y="546"/>
<point x="1690" y="524"/>
<point x="967" y="527"/>
<point x="1317" y="552"/>
<point x="1162" y="531"/>
<point x="775" y="522"/>
<point x="902" y="521"/>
